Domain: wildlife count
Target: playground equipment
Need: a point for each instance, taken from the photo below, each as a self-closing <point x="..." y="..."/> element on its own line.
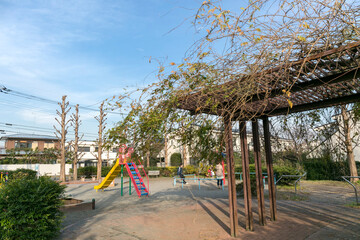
<point x="356" y="196"/>
<point x="4" y="178"/>
<point x="132" y="170"/>
<point x="195" y="180"/>
<point x="292" y="176"/>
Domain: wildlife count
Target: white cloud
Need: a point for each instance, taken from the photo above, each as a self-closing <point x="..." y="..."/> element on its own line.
<point x="36" y="46"/>
<point x="38" y="117"/>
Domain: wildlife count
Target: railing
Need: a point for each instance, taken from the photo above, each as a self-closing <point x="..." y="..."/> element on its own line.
<point x="291" y="176"/>
<point x="356" y="196"/>
<point x="133" y="180"/>
<point x="196" y="179"/>
<point x="147" y="178"/>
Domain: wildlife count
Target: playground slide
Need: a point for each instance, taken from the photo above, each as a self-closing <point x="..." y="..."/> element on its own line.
<point x="109" y="177"/>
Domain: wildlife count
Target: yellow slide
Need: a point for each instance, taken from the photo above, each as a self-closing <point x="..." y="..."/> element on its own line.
<point x="109" y="177"/>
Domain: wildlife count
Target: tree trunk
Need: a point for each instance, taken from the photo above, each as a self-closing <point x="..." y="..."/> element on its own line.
<point x="148" y="158"/>
<point x="166" y="151"/>
<point x="76" y="142"/>
<point x="184" y="155"/>
<point x="101" y="119"/>
<point x="99" y="164"/>
<point x="348" y="145"/>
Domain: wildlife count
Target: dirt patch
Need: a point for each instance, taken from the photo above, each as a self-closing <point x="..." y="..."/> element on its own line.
<point x="173" y="212"/>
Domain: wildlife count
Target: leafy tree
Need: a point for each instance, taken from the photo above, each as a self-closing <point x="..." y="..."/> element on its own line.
<point x="235" y="46"/>
<point x="175" y="159"/>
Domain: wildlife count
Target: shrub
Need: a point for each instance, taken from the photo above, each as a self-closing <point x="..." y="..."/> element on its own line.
<point x="105" y="170"/>
<point x="325" y="169"/>
<point x="286" y="170"/>
<point x="175" y="159"/>
<point x="91" y="170"/>
<point x="21" y="173"/>
<point x="190" y="169"/>
<point x="278" y="171"/>
<point x="240" y="188"/>
<point x="30" y="209"/>
<point x="87" y="171"/>
<point x="169" y="171"/>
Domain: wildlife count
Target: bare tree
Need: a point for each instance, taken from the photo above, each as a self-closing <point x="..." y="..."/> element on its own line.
<point x="348" y="141"/>
<point x="101" y="120"/>
<point x="64" y="129"/>
<point x="75" y="122"/>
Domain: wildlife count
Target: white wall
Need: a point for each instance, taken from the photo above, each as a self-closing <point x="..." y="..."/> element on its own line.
<point x="43" y="169"/>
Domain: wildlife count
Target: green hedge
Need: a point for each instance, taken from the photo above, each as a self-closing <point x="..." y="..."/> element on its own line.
<point x="30" y="209"/>
<point x="279" y="170"/>
<point x="20" y="173"/>
<point x="175" y="159"/>
<point x="325" y="169"/>
<point x="240" y="188"/>
<point x="91" y="170"/>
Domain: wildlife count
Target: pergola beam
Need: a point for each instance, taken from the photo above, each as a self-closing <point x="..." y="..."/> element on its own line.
<point x="330" y="79"/>
<point x="314" y="105"/>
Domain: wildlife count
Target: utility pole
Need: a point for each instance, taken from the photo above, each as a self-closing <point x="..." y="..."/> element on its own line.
<point x="64" y="127"/>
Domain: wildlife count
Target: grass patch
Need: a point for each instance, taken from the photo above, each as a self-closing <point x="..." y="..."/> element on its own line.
<point x="327" y="182"/>
<point x="353" y="205"/>
<point x="289" y="187"/>
<point x="290" y="196"/>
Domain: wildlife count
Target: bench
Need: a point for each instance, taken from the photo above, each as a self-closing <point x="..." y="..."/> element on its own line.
<point x="154" y="173"/>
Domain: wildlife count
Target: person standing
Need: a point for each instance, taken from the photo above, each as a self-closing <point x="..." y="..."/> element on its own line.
<point x="180" y="173"/>
<point x="219" y="174"/>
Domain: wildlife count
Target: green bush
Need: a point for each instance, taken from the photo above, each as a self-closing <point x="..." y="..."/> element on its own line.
<point x="279" y="170"/>
<point x="91" y="170"/>
<point x="190" y="169"/>
<point x="325" y="169"/>
<point x="240" y="188"/>
<point x="105" y="170"/>
<point x="175" y="159"/>
<point x="30" y="209"/>
<point x="21" y="173"/>
<point x="87" y="171"/>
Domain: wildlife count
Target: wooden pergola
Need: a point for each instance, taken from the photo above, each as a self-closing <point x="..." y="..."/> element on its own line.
<point x="322" y="80"/>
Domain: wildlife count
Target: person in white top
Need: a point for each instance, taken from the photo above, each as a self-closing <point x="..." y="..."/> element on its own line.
<point x="219" y="174"/>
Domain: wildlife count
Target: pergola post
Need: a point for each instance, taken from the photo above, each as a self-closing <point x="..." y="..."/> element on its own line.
<point x="246" y="177"/>
<point x="270" y="171"/>
<point x="258" y="171"/>
<point x="231" y="176"/>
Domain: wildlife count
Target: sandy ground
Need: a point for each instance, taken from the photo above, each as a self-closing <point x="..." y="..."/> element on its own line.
<point x="189" y="213"/>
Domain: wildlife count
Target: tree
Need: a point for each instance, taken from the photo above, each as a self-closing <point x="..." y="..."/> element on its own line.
<point x="101" y="120"/>
<point x="75" y="122"/>
<point x="175" y="159"/>
<point x="333" y="131"/>
<point x="64" y="129"/>
<point x="238" y="46"/>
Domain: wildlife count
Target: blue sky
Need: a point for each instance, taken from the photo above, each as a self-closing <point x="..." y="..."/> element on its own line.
<point x="87" y="50"/>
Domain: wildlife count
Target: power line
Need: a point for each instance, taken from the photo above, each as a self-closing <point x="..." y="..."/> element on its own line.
<point x="39" y="129"/>
<point x="8" y="91"/>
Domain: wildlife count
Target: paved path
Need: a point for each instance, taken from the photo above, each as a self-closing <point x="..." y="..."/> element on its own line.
<point x="175" y="213"/>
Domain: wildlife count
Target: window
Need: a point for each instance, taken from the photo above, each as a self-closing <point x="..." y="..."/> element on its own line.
<point x="96" y="149"/>
<point x="115" y="150"/>
<point x="23" y="144"/>
<point x="48" y="145"/>
<point x="84" y="149"/>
